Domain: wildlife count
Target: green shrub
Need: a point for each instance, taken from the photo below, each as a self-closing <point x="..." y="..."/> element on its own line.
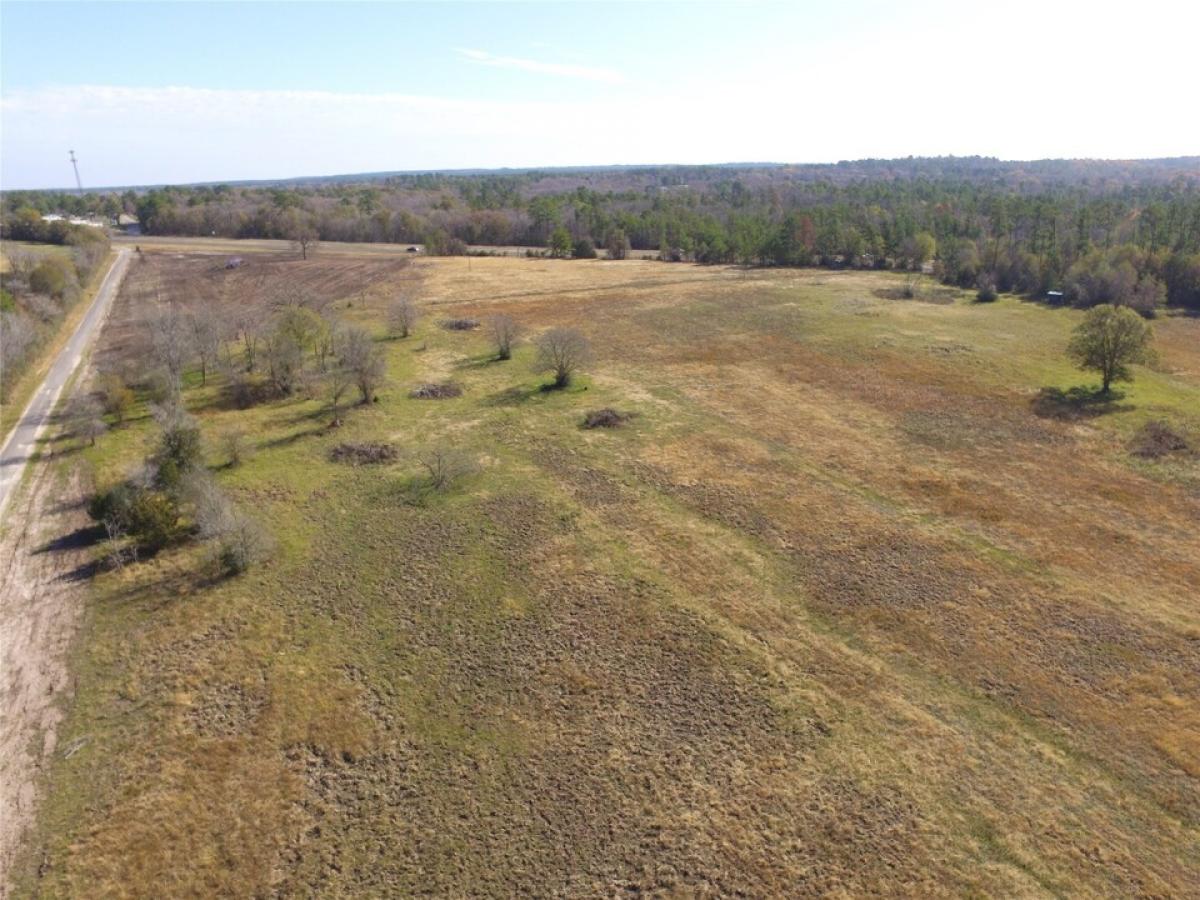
<point x="153" y="517"/>
<point x="149" y="516"/>
<point x="179" y="449"/>
<point x="986" y="292"/>
<point x="53" y="276"/>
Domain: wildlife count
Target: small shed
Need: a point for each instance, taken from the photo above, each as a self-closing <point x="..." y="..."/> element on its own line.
<point x="129" y="224"/>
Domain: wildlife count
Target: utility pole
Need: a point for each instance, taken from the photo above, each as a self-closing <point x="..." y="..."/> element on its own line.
<point x="75" y="166"/>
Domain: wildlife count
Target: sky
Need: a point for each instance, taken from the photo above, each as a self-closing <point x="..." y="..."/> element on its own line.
<point x="158" y="93"/>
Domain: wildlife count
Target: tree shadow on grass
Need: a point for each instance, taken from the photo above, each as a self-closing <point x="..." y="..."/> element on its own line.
<point x="289" y="439"/>
<point x="79" y="539"/>
<point x="83" y="572"/>
<point x="1077" y="403"/>
<point x="479" y="362"/>
<point x="310" y="415"/>
<point x="65" y="506"/>
<point x="512" y="396"/>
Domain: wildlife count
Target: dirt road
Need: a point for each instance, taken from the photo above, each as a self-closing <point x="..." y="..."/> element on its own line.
<point x="22" y="440"/>
<point x="41" y="561"/>
<point x="42" y="558"/>
<point x="238" y="246"/>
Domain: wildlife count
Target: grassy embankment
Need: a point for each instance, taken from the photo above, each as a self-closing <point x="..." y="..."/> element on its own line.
<point x="836" y="611"/>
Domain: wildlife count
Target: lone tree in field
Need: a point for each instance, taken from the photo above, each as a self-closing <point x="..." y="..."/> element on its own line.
<point x="504" y="331"/>
<point x="302" y="232"/>
<point x="402" y="316"/>
<point x="560" y="243"/>
<point x="562" y="351"/>
<point x="362" y="358"/>
<point x="444" y="467"/>
<point x="1109" y="340"/>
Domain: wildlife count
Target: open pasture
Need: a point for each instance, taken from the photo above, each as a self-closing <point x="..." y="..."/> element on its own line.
<point x="846" y="606"/>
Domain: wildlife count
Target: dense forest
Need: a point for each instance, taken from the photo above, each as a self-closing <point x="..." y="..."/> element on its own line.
<point x="1098" y="231"/>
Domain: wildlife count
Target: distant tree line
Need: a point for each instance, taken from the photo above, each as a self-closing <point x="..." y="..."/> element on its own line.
<point x="1080" y="227"/>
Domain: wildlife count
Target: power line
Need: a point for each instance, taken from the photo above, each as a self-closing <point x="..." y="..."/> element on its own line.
<point x="75" y="166"/>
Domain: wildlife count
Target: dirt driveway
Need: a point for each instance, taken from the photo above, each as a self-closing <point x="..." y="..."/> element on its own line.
<point x="41" y="601"/>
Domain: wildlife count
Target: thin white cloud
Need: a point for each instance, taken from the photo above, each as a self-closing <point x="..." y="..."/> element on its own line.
<point x="562" y="70"/>
<point x="137" y="135"/>
<point x="152" y="135"/>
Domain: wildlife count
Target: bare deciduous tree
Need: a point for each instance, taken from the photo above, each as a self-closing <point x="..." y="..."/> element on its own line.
<point x="236" y="446"/>
<point x="87" y="417"/>
<point x="248" y="327"/>
<point x="114" y="542"/>
<point x="338" y="382"/>
<point x="285" y="359"/>
<point x="169" y="345"/>
<point x="402" y="316"/>
<point x="205" y="331"/>
<point x="244" y="544"/>
<point x="212" y="510"/>
<point x="562" y="351"/>
<point x="21" y="262"/>
<point x="325" y="348"/>
<point x="504" y="331"/>
<point x="17" y="336"/>
<point x="241" y="542"/>
<point x="364" y="360"/>
<point x="302" y="232"/>
<point x="445" y="466"/>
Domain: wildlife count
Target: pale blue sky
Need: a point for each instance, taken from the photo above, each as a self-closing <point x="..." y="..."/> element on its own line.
<point x="177" y="92"/>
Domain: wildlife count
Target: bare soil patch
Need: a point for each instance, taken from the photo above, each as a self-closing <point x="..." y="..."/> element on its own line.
<point x="40" y="609"/>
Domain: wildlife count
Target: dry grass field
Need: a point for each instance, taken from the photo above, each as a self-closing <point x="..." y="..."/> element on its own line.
<point x="846" y="608"/>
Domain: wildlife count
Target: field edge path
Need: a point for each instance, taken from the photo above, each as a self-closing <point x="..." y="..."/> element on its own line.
<point x="21" y="443"/>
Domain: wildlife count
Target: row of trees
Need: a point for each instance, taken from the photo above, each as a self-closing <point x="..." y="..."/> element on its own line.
<point x="1021" y="226"/>
<point x="41" y="284"/>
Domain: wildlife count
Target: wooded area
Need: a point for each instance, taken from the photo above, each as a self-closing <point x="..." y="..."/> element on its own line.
<point x="1099" y="231"/>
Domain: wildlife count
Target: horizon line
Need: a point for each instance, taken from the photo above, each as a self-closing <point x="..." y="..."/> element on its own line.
<point x="481" y="170"/>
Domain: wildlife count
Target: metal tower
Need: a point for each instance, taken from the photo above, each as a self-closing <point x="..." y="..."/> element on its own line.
<point x="75" y="166"/>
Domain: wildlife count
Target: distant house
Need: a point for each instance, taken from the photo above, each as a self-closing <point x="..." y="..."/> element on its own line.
<point x="1054" y="296"/>
<point x="72" y="220"/>
<point x="129" y="224"/>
